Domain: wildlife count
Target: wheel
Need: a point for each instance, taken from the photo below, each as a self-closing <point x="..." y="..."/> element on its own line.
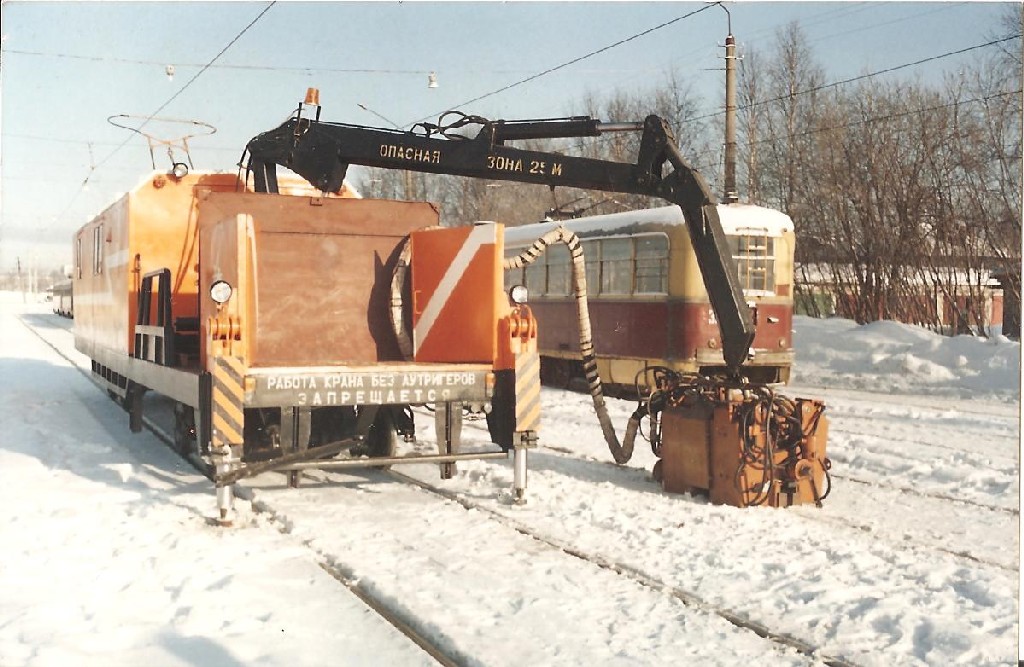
<point x="331" y="425"/>
<point x="184" y="429"/>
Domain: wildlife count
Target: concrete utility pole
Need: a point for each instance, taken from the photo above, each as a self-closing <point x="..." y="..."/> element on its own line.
<point x="731" y="195"/>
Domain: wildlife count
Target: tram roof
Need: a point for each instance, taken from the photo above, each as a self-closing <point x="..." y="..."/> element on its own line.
<point x="736" y="219"/>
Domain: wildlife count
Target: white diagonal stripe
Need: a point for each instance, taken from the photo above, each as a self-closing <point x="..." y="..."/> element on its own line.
<point x="480" y="235"/>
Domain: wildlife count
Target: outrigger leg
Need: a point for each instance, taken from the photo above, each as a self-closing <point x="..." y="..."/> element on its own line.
<point x="448" y="427"/>
<point x="224" y="462"/>
<point x="523" y="443"/>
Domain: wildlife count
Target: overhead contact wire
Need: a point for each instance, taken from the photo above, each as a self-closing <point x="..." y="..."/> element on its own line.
<point x="573" y="61"/>
<point x="163" y="106"/>
<point x="861" y="77"/>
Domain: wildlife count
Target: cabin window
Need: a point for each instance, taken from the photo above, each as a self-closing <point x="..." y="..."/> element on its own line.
<point x="651" y="264"/>
<point x="97" y="250"/>
<point x="616" y="266"/>
<point x="755" y="261"/>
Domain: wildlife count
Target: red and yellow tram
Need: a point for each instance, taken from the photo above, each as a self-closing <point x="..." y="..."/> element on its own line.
<point x="648" y="303"/>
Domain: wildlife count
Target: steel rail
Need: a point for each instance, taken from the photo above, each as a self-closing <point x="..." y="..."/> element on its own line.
<point x="909" y="490"/>
<point x="378" y="462"/>
<point x="923" y="443"/>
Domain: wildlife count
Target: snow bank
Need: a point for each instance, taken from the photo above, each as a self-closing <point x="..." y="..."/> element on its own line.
<point x="891" y="357"/>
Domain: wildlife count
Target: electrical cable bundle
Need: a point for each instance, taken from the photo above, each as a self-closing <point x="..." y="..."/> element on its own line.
<point x="773" y="437"/>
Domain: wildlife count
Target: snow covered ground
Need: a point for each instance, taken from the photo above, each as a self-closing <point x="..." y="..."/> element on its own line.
<point x="107" y="556"/>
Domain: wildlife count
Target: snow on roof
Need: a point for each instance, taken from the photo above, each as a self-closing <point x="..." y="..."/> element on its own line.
<point x="736" y="219"/>
<point x="739" y="218"/>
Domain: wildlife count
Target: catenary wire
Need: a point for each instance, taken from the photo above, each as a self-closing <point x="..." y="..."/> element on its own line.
<point x="842" y="82"/>
<point x="861" y="77"/>
<point x="571" y="62"/>
<point x="93" y="168"/>
<point x="875" y="119"/>
<point x="267" y="68"/>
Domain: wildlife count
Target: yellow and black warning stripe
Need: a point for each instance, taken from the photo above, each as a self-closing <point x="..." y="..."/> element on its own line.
<point x="228" y="401"/>
<point x="528" y="391"/>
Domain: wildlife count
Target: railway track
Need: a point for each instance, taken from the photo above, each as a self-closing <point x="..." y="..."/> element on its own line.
<point x="869" y="528"/>
<point x="686" y="597"/>
<point x="1013" y="511"/>
<point x="909" y="490"/>
<point x="405" y="623"/>
<point x="334" y="568"/>
<point x="561" y="451"/>
<point x="329" y="564"/>
<point x="939" y="404"/>
<point x="857" y="526"/>
<point x="915" y="441"/>
<point x="861" y="527"/>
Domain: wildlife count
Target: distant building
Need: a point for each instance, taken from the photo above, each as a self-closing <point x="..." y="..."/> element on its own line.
<point x="1009" y="281"/>
<point x="945" y="299"/>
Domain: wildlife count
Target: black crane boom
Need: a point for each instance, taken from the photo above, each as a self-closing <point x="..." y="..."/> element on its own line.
<point x="321" y="152"/>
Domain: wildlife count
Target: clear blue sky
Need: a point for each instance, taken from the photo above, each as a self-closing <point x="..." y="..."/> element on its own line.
<point x="96" y="53"/>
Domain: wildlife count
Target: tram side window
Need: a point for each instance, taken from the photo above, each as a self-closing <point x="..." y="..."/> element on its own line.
<point x="592" y="255"/>
<point x="616" y="266"/>
<point x="97" y="250"/>
<point x="559" y="270"/>
<point x="514" y="277"/>
<point x="536" y="276"/>
<point x="78" y="257"/>
<point x="755" y="261"/>
<point x="651" y="264"/>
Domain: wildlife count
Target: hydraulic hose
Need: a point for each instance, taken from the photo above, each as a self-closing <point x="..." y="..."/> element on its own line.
<point x="620" y="452"/>
<point x="396" y="313"/>
<point x="396" y="310"/>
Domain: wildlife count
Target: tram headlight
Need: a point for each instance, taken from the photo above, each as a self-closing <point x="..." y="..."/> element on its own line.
<point x="179" y="170"/>
<point x="518" y="294"/>
<point x="220" y="292"/>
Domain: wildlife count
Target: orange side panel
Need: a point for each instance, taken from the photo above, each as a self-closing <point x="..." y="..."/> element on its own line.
<point x="152" y="227"/>
<point x="458" y="297"/>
